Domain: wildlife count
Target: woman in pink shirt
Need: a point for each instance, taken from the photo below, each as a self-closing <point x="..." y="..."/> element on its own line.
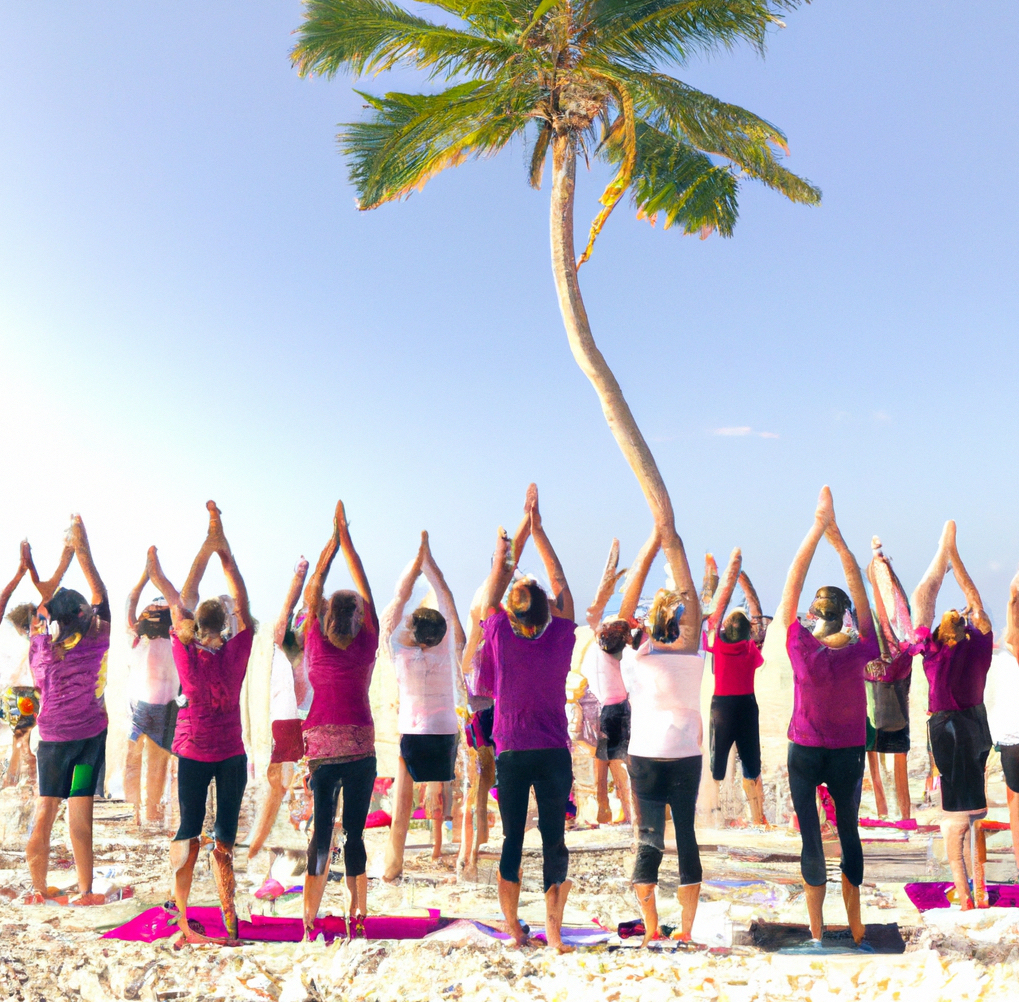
<point x="340" y="643"/>
<point x="207" y="738"/>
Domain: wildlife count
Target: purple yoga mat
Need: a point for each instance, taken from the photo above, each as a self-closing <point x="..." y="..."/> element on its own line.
<point x="157" y="923"/>
<point x="929" y="895"/>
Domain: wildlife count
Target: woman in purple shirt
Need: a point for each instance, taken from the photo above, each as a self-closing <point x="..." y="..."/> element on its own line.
<point x="67" y="656"/>
<point x="956" y="659"/>
<point x="528" y="645"/>
<point x="828" y="730"/>
<point x="207" y="740"/>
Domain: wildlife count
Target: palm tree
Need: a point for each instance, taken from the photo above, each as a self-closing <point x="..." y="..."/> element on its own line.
<point x="574" y="76"/>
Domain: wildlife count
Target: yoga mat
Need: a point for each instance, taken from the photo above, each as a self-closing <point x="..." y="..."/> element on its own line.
<point x="934" y="894"/>
<point x="157" y="923"/>
<point x="776" y="936"/>
<point x="572" y="935"/>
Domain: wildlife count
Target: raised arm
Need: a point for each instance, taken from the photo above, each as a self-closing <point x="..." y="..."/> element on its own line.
<point x="354" y="565"/>
<point x="213" y="542"/>
<point x="279" y="632"/>
<point x="392" y="615"/>
<point x="5" y="595"/>
<point x="237" y="588"/>
<point x="854" y="579"/>
<point x="1012" y="617"/>
<point x="444" y="598"/>
<point x="690" y="619"/>
<point x="790" y="601"/>
<point x="638" y="575"/>
<point x="523" y="532"/>
<point x="975" y="607"/>
<point x="316" y="583"/>
<point x="609" y="579"/>
<point x="79" y="540"/>
<point x="926" y="594"/>
<point x="562" y="598"/>
<point x="753" y="602"/>
<point x="710" y="583"/>
<point x="47" y="589"/>
<point x="727" y="585"/>
<point x="179" y="613"/>
<point x="132" y="600"/>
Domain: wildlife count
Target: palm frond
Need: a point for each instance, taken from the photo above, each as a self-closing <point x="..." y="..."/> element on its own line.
<point x="647" y="31"/>
<point x="371" y="36"/>
<point x="412" y="137"/>
<point x="497" y="17"/>
<point x="673" y="179"/>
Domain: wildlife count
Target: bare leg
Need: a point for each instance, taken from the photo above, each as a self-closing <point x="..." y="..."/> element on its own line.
<point x="79" y="824"/>
<point x="1013" y="818"/>
<point x="509" y="902"/>
<point x="645" y="894"/>
<point x="689" y="895"/>
<point x="978" y="855"/>
<point x="37" y="851"/>
<point x="881" y="802"/>
<point x="486" y="780"/>
<point x="403" y="804"/>
<point x="851" y="898"/>
<point x="754" y="792"/>
<point x="156" y="764"/>
<point x="133" y="777"/>
<point x="621" y="779"/>
<point x="226" y="885"/>
<point x="956" y="830"/>
<point x="434" y="809"/>
<point x="183" y="856"/>
<point x="902" y="786"/>
<point x="357" y="888"/>
<point x="270" y="808"/>
<point x="815" y="907"/>
<point x="555" y="905"/>
<point x="601" y="781"/>
<point x="314" y="889"/>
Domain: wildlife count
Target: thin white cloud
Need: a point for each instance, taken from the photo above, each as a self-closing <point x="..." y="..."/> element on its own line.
<point x="732" y="431"/>
<point x="768" y="434"/>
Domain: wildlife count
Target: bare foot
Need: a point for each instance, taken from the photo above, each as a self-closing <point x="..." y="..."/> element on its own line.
<point x="89" y="899"/>
<point x="515" y="931"/>
<point x="604" y="815"/>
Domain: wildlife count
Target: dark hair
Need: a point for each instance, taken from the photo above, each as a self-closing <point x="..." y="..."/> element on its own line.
<point x="154" y="622"/>
<point x="663" y="616"/>
<point x="429" y="626"/>
<point x="21" y="616"/>
<point x="613" y="635"/>
<point x="210" y="616"/>
<point x="535" y="613"/>
<point x="71" y="610"/>
<point x="831" y="604"/>
<point x="342" y="608"/>
<point x="735" y="627"/>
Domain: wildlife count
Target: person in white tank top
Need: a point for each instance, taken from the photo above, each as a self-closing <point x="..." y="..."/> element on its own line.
<point x="663" y="680"/>
<point x="425" y="648"/>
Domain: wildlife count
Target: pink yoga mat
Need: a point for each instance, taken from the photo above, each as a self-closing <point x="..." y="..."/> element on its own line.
<point x="158" y="923"/>
<point x="934" y="894"/>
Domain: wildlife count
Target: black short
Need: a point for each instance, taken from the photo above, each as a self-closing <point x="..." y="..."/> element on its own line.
<point x="889" y="742"/>
<point x="430" y="758"/>
<point x="1010" y="766"/>
<point x="735" y="719"/>
<point x="615" y="726"/>
<point x="961" y="742"/>
<point x="71" y="768"/>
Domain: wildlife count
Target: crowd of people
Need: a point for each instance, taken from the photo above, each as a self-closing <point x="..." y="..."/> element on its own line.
<point x="486" y="707"/>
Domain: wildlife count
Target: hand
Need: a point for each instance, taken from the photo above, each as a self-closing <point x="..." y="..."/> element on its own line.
<point x="301" y="568"/>
<point x="825" y="513"/>
<point x="76" y="536"/>
<point x="425" y="549"/>
<point x="25" y="555"/>
<point x="503" y="546"/>
<point x="531" y="506"/>
<point x="340" y="526"/>
<point x="151" y="562"/>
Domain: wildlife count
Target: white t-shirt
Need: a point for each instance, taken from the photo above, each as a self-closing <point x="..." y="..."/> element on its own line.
<point x="1001" y="698"/>
<point x="603" y="675"/>
<point x="665" y="701"/>
<point x="153" y="677"/>
<point x="427" y="694"/>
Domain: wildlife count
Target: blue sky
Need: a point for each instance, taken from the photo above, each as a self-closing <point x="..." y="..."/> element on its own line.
<point x="191" y="307"/>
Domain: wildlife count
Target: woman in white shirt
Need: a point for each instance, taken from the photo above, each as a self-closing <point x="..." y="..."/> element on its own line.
<point x="663" y="680"/>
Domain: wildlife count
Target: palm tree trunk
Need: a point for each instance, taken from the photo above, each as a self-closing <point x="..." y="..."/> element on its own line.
<point x="578" y="330"/>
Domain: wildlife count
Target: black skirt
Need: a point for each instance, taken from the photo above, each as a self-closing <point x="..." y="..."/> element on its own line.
<point x="960" y="743"/>
<point x="430" y="758"/>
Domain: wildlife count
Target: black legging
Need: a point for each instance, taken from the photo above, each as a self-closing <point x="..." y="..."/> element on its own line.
<point x="550" y="772"/>
<point x="841" y="770"/>
<point x="357" y="780"/>
<point x="656" y="782"/>
<point x="193" y="778"/>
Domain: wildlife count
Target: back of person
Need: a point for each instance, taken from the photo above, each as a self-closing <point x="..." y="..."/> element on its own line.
<point x="829" y="692"/>
<point x="956" y="674"/>
<point x="735" y="665"/>
<point x="341" y="676"/>
<point x="665" y="699"/>
<point x="70" y="676"/>
<point x="424" y="677"/>
<point x="603" y="675"/>
<point x="528" y="680"/>
<point x="153" y="677"/>
<point x="209" y="725"/>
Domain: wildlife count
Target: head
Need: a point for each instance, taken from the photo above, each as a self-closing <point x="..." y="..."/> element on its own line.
<point x="428" y="626"/>
<point x="528" y="609"/>
<point x="210" y="622"/>
<point x="831" y="605"/>
<point x="344" y="617"/>
<point x="952" y="628"/>
<point x="735" y="627"/>
<point x="21" y="616"/>
<point x="662" y="620"/>
<point x="613" y="635"/>
<point x="67" y="613"/>
<point x="154" y="621"/>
